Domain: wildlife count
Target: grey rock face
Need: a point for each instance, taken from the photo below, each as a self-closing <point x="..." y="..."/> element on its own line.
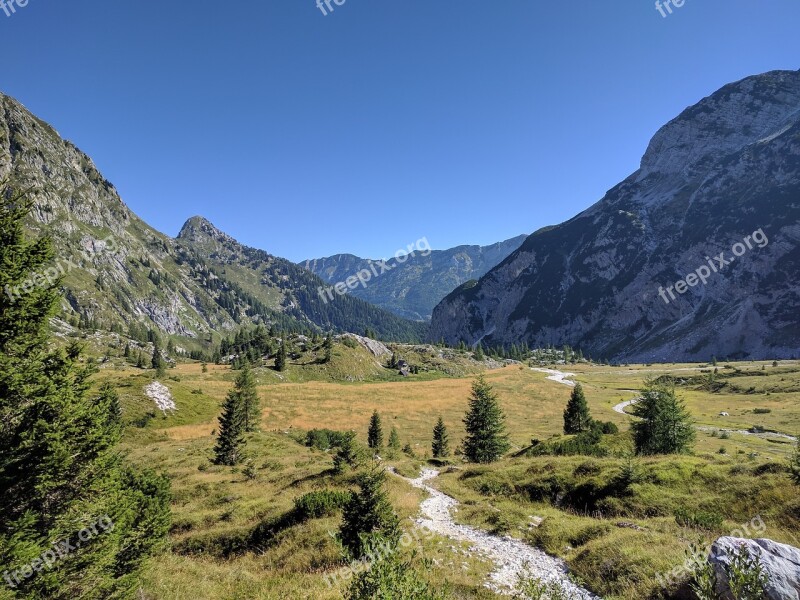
<point x="724" y="168"/>
<point x="781" y="564"/>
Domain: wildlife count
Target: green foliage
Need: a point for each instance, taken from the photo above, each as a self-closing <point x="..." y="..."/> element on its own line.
<point x="245" y="388"/>
<point x="157" y="361"/>
<point x="325" y="439"/>
<point x="486" y="439"/>
<point x="794" y="463"/>
<point x="440" y="446"/>
<point x="350" y="454"/>
<point x="60" y="469"/>
<point x="665" y="426"/>
<point x="698" y="519"/>
<point x="328" y="346"/>
<point x="391" y="578"/>
<point x="394" y="439"/>
<point x="281" y="359"/>
<point x="322" y="503"/>
<point x="375" y="433"/>
<point x="369" y="515"/>
<point x="231" y="442"/>
<point x="576" y="416"/>
<point x="746" y="576"/>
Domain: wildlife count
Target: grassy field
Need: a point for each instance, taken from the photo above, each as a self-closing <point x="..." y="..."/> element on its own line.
<point x="615" y="537"/>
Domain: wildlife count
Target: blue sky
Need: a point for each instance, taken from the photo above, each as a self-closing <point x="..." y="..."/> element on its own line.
<point x="384" y="121"/>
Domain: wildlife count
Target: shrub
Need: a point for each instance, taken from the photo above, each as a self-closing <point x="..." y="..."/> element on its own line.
<point x="762" y="411"/>
<point x="324" y="439"/>
<point x="390" y="578"/>
<point x="323" y="503"/>
<point x="700" y="519"/>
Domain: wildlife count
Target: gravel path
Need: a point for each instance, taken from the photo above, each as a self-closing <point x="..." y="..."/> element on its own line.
<point x="557" y="376"/>
<point x="511" y="557"/>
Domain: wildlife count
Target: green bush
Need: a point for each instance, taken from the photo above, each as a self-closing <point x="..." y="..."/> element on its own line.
<point x="700" y="519"/>
<point x="320" y="504"/>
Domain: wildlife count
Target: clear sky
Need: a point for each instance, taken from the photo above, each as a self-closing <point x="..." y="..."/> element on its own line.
<point x="383" y="122"/>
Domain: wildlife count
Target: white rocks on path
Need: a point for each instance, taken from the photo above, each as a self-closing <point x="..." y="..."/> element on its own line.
<point x="512" y="558"/>
<point x="159" y="393"/>
<point x="557" y="376"/>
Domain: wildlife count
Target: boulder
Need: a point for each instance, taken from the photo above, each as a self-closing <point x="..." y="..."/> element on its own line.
<point x="781" y="564"/>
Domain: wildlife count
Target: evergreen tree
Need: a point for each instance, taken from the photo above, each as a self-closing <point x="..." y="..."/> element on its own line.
<point x="158" y="360"/>
<point x="231" y="442"/>
<point x="60" y="469"/>
<point x="349" y="455"/>
<point x="140" y="361"/>
<point x="369" y="515"/>
<point x="245" y="388"/>
<point x="127" y="353"/>
<point x="394" y="439"/>
<point x="393" y="361"/>
<point x="794" y="462"/>
<point x="486" y="439"/>
<point x="280" y="360"/>
<point x="479" y="355"/>
<point x="328" y="346"/>
<point x="664" y="425"/>
<point x="576" y="416"/>
<point x="375" y="434"/>
<point x="441" y="441"/>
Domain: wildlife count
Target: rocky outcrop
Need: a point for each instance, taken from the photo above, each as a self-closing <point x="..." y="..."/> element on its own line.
<point x="720" y="171"/>
<point x="781" y="565"/>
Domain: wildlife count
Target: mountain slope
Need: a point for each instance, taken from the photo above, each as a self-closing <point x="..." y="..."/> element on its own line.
<point x="120" y="274"/>
<point x="414" y="288"/>
<point x="724" y="168"/>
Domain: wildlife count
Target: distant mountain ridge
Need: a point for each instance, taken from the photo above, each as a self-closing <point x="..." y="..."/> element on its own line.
<point x="120" y="274"/>
<point x="722" y="169"/>
<point x="414" y="288"/>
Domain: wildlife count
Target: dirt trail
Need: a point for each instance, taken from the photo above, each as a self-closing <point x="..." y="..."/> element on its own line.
<point x="511" y="557"/>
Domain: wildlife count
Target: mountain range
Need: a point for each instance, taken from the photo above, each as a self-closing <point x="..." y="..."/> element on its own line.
<point x="412" y="288"/>
<point x="622" y="280"/>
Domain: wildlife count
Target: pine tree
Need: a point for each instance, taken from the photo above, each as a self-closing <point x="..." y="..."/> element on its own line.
<point x="140" y="361"/>
<point x="328" y="346"/>
<point x="394" y="439"/>
<point x="375" y="434"/>
<point x="664" y="425"/>
<point x="231" y="442"/>
<point x="245" y="387"/>
<point x="369" y="515"/>
<point x="479" y="355"/>
<point x="158" y="360"/>
<point x="349" y="455"/>
<point x="59" y="462"/>
<point x="441" y="441"/>
<point x="280" y="360"/>
<point x="576" y="416"/>
<point x="486" y="439"/>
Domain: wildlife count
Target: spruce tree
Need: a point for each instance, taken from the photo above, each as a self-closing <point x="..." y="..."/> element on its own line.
<point x="375" y="434"/>
<point x="441" y="441"/>
<point x="576" y="416"/>
<point x="369" y="515"/>
<point x="245" y="388"/>
<point x="394" y="441"/>
<point x="280" y="359"/>
<point x="664" y="425"/>
<point x="349" y="455"/>
<point x="158" y="360"/>
<point x="486" y="439"/>
<point x="328" y="346"/>
<point x="60" y="469"/>
<point x="231" y="442"/>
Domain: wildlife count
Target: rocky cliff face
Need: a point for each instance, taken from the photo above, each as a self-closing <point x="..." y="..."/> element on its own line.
<point x="121" y="274"/>
<point x="412" y="289"/>
<point x="723" y="169"/>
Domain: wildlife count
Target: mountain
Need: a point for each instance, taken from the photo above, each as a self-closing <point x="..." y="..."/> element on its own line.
<point x="723" y="169"/>
<point x="413" y="288"/>
<point x="122" y="275"/>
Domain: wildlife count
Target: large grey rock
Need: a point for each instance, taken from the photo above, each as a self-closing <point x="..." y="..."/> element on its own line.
<point x="781" y="564"/>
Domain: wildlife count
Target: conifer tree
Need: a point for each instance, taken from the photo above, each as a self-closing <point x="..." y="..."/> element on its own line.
<point x="60" y="469"/>
<point x="328" y="346"/>
<point x="245" y="387"/>
<point x="375" y="434"/>
<point x="349" y="455"/>
<point x="231" y="442"/>
<point x="576" y="416"/>
<point x="158" y="360"/>
<point x="369" y="515"/>
<point x="486" y="439"/>
<point x="280" y="360"/>
<point x="664" y="425"/>
<point x="394" y="439"/>
<point x="794" y="462"/>
<point x="441" y="441"/>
